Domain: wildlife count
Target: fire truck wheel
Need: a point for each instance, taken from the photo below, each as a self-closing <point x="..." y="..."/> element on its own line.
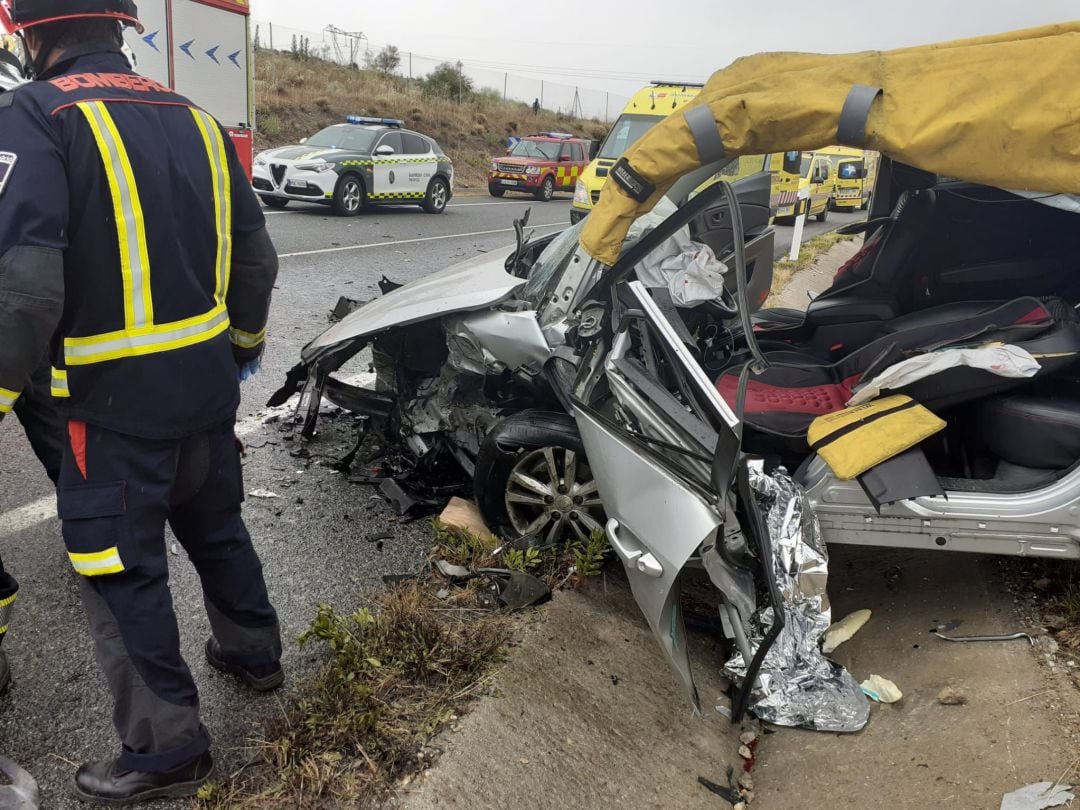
<point x="349" y="196"/>
<point x="438" y="194"/>
<point x="496" y="192"/>
<point x="546" y="190"/>
<point x="274" y="202"/>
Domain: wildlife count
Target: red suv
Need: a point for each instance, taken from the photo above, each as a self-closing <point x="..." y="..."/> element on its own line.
<point x="540" y="165"/>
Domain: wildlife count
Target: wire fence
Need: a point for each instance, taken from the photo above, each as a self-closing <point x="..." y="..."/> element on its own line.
<point x="346" y="48"/>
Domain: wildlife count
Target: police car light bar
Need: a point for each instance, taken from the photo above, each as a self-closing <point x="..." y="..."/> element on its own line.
<point x="560" y="135"/>
<point x="385" y="122"/>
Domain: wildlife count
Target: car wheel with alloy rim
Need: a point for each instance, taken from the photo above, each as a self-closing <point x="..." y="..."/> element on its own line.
<point x="349" y="196"/>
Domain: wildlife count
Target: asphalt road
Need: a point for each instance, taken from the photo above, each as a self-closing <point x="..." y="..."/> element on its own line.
<point x="313" y="538"/>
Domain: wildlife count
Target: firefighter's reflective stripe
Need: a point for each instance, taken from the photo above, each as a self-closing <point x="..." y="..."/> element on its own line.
<point x="7" y="400"/>
<point x="130" y="223"/>
<point x="247" y="340"/>
<point x="150" y="340"/>
<point x="141" y="335"/>
<point x="60" y="384"/>
<point x="219" y="171"/>
<point x="7" y="608"/>
<point x="97" y="565"/>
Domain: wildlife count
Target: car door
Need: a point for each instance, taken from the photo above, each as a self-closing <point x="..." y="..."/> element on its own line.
<point x="389" y="180"/>
<point x="422" y="162"/>
<point x="653" y="423"/>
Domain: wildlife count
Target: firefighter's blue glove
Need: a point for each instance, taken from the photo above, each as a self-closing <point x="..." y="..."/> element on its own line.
<point x="249" y="370"/>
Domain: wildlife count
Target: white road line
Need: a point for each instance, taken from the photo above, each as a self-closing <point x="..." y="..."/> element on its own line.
<point x="451" y="205"/>
<point x="374" y="245"/>
<point x="44" y="510"/>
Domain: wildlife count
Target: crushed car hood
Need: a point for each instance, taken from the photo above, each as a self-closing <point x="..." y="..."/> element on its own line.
<point x="474" y="284"/>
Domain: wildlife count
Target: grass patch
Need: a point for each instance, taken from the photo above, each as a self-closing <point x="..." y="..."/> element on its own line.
<point x="396" y="672"/>
<point x="785" y="269"/>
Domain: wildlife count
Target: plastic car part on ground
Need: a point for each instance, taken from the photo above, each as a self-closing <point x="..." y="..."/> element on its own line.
<point x="881" y="689"/>
<point x="1039" y="796"/>
<point x="797" y="685"/>
<point x="21" y="792"/>
<point x="844" y="630"/>
<point x="1002" y="360"/>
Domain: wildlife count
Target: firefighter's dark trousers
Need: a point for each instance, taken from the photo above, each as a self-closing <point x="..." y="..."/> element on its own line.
<point x="116" y="494"/>
<point x="9" y="591"/>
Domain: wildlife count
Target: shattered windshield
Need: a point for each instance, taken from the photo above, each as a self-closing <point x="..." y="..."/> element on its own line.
<point x="551" y="263"/>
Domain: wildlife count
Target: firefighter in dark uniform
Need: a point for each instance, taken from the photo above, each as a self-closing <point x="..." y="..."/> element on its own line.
<point x="35" y="409"/>
<point x="132" y="244"/>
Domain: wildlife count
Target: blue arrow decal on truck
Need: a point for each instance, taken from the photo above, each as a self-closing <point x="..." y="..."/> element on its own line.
<point x="186" y="47"/>
<point x="149" y="40"/>
<point x="212" y="53"/>
<point x="235" y="58"/>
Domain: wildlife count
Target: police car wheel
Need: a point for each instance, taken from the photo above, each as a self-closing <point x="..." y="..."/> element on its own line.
<point x="438" y="194"/>
<point x="274" y="202"/>
<point x="546" y="190"/>
<point x="349" y="196"/>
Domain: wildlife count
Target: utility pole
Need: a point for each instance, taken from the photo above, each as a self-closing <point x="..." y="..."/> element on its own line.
<point x="352" y="41"/>
<point x="271" y="36"/>
<point x="506" y="80"/>
<point x="607" y="101"/>
<point x="410" y="65"/>
<point x="541" y="94"/>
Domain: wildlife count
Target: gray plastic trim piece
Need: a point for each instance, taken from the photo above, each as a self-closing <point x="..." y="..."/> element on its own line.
<point x="851" y="131"/>
<point x="706" y="134"/>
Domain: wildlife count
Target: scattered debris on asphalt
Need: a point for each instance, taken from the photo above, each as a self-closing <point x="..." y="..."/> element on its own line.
<point x="21" y="791"/>
<point x="1007" y="637"/>
<point x="950" y="696"/>
<point x="881" y="689"/>
<point x="844" y="630"/>
<point x="263" y="494"/>
<point x="1039" y="796"/>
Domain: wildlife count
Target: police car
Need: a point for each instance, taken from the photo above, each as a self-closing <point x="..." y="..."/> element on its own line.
<point x="365" y="161"/>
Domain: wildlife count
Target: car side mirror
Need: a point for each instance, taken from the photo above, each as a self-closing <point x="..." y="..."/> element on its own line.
<point x="564" y="158"/>
<point x="384" y="151"/>
<point x="303" y="141"/>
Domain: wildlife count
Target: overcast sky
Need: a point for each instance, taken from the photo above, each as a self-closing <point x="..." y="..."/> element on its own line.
<point x="619" y="46"/>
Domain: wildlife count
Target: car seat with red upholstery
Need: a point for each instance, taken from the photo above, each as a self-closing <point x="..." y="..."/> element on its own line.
<point x="795" y="390"/>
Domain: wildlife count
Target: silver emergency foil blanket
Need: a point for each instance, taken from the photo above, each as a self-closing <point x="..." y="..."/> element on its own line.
<point x="797" y="685"/>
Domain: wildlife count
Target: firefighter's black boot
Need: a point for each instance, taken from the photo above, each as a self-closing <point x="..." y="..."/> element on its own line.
<point x="106" y="783"/>
<point x="261" y="679"/>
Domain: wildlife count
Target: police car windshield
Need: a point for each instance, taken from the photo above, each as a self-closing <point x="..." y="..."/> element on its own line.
<point x="541" y="150"/>
<point x="345" y="136"/>
<point x="625" y="134"/>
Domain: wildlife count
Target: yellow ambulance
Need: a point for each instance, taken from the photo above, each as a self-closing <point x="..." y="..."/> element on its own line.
<point x="648" y="107"/>
<point x="802" y="186"/>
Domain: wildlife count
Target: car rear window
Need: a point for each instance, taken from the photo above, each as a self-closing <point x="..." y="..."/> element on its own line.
<point x="414" y="144"/>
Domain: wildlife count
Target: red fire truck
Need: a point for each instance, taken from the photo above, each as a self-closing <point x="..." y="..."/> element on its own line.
<point x="201" y="49"/>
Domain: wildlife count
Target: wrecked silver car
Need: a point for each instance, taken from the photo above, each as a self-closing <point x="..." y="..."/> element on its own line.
<point x="926" y="399"/>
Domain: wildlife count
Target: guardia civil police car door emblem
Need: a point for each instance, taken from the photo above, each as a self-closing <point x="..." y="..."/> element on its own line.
<point x="364" y="161"/>
<point x="7" y="166"/>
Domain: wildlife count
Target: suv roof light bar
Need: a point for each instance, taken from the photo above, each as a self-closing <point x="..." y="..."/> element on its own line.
<point x="385" y="122"/>
<point x="560" y="135"/>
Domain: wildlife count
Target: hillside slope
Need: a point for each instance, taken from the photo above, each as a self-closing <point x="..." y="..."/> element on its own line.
<point x="294" y="98"/>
